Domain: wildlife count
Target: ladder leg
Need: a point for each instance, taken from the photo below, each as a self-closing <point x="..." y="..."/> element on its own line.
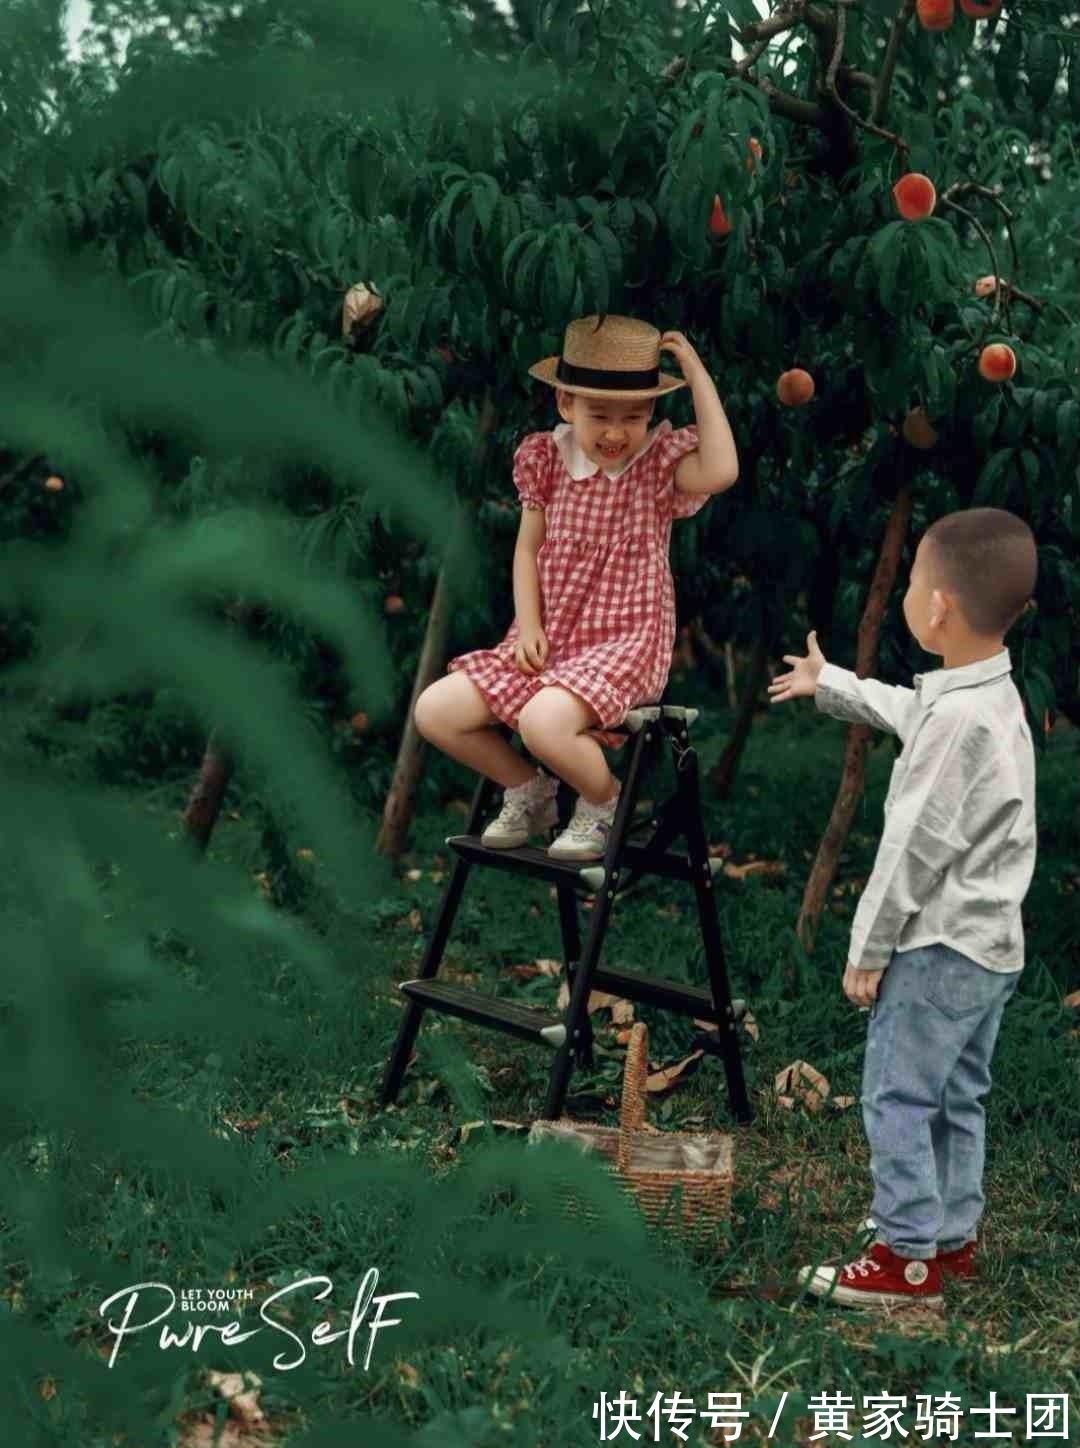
<point x="433" y="954"/>
<point x="686" y="774"/>
<point x="571" y="945"/>
<point x="577" y="1011"/>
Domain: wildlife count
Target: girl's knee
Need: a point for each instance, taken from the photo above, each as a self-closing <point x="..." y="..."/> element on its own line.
<point x="428" y="714"/>
<point x="545" y="720"/>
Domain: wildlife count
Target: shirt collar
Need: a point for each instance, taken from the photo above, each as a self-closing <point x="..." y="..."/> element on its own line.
<point x="578" y="465"/>
<point x="932" y="686"/>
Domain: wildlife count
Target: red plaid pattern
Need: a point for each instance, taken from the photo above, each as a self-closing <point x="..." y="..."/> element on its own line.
<point x="607" y="595"/>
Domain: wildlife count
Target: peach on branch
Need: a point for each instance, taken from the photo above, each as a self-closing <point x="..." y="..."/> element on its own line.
<point x="915" y="196"/>
<point x="719" y="224"/>
<point x="795" y="387"/>
<point x="917" y="431"/>
<point x="980" y="9"/>
<point x="935" y="14"/>
<point x="997" y="362"/>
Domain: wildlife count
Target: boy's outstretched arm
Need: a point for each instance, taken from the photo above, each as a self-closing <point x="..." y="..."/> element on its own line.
<point x="843" y="694"/>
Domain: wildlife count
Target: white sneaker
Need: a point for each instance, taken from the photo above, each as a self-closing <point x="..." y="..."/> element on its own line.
<point x="586" y="836"/>
<point x="528" y="809"/>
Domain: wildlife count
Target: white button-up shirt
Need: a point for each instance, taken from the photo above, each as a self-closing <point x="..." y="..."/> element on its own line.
<point x="957" y="851"/>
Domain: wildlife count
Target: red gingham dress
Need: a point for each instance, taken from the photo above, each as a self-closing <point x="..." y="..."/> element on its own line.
<point x="606" y="592"/>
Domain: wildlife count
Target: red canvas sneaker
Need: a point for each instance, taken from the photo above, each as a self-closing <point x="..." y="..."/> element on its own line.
<point x="880" y="1278"/>
<point x="959" y="1263"/>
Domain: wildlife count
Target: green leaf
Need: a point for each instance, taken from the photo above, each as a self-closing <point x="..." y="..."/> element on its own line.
<point x="1074" y="83"/>
<point x="1043" y="64"/>
<point x="992" y="486"/>
<point x="1007" y="64"/>
<point x="1068" y="429"/>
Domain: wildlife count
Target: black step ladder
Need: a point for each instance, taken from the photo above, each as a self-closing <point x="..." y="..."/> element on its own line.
<point x="634" y="850"/>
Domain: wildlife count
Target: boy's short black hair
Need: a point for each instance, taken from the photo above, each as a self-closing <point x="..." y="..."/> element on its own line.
<point x="987" y="558"/>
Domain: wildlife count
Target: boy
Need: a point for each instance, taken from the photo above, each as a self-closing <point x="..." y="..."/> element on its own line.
<point x="937" y="943"/>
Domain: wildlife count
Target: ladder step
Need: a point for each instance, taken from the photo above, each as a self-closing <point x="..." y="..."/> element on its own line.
<point x="672" y="995"/>
<point x="526" y="860"/>
<point x="527" y="1022"/>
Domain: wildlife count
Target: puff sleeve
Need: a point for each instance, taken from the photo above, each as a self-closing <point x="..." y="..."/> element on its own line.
<point x="672" y="446"/>
<point x="532" y="470"/>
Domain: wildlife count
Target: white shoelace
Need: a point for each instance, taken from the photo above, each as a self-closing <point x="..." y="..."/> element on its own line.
<point x="863" y="1267"/>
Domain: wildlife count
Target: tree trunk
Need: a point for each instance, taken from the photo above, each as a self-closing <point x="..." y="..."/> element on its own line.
<point x="208" y="795"/>
<point x="723" y="775"/>
<point x="398" y="810"/>
<point x="823" y="870"/>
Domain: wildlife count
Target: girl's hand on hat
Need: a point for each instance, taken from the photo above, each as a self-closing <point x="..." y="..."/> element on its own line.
<point x="531" y="650"/>
<point x="683" y="352"/>
<point x="801" y="683"/>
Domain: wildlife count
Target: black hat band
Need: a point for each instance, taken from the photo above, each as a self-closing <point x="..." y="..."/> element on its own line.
<point x="606" y="379"/>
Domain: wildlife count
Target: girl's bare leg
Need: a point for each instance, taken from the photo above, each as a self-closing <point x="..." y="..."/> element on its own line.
<point x="552" y="726"/>
<point x="453" y="715"/>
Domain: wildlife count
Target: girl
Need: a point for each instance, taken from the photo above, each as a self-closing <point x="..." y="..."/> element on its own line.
<point x="593" y="593"/>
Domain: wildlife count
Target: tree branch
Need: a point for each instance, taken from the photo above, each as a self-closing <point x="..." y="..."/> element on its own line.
<point x="988" y="242"/>
<point x="782" y="104"/>
<point x="830" y="83"/>
<point x="888" y="65"/>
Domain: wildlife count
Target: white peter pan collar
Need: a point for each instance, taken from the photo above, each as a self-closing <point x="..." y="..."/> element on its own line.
<point x="578" y="465"/>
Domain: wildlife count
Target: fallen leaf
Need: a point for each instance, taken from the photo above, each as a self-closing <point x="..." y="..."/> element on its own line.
<point x="842" y="1103"/>
<point x="659" y="1082"/>
<point x="303" y="854"/>
<point x="787" y="1102"/>
<point x="408" y="1374"/>
<point x="1072" y="1001"/>
<point x="806" y="1084"/>
<point x="749" y="1025"/>
<point x="720" y="851"/>
<point x="599" y="1000"/>
<point x="415" y="923"/>
<point x="769" y="868"/>
<point x="242" y="1396"/>
<point x="532" y="968"/>
<point x="468" y="1127"/>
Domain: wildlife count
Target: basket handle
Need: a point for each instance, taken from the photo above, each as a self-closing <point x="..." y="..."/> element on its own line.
<point x="632" y="1107"/>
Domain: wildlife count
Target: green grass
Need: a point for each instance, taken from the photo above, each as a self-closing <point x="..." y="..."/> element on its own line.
<point x="526" y="1314"/>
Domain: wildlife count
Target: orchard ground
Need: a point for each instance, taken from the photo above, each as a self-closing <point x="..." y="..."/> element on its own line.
<point x="670" y="1316"/>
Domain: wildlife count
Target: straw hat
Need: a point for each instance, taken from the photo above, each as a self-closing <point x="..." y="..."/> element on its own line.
<point x="608" y="357"/>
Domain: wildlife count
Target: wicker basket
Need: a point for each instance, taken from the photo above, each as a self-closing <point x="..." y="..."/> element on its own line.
<point x="653" y="1165"/>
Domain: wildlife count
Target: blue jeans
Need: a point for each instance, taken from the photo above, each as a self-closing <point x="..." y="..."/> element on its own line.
<point x="928" y="1049"/>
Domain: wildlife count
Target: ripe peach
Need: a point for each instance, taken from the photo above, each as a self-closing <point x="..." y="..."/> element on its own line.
<point x="719" y="225"/>
<point x="915" y="196"/>
<point x="754" y="147"/>
<point x="986" y="286"/>
<point x="393" y="603"/>
<point x="979" y="11"/>
<point x="54" y="484"/>
<point x="997" y="362"/>
<point x="917" y="431"/>
<point x="359" y="722"/>
<point x="795" y="387"/>
<point x="935" y="14"/>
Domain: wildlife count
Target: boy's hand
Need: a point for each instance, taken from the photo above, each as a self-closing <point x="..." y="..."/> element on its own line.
<point x="683" y="352"/>
<point x="861" y="986"/>
<point x="801" y="683"/>
<point x="531" y="650"/>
